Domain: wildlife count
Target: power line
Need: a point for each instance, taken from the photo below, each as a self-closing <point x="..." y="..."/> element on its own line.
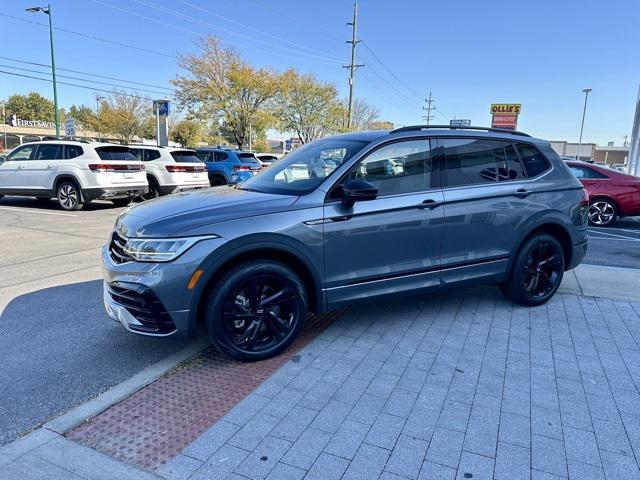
<point x="75" y="78"/>
<point x="249" y="27"/>
<point x="76" y="85"/>
<point x="85" y="73"/>
<point x="400" y="81"/>
<point x="92" y="37"/>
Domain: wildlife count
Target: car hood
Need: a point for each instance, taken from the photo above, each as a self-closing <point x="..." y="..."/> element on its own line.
<point x="178" y="214"/>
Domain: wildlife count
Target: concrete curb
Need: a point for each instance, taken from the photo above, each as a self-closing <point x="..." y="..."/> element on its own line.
<point x="91" y="408"/>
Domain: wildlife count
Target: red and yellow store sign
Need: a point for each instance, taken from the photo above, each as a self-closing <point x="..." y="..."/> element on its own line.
<point x="505" y="115"/>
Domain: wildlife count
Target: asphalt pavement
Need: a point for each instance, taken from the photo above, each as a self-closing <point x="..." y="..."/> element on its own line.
<point x="57" y="347"/>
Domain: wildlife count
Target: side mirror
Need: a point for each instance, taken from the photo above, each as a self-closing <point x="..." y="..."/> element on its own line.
<point x="358" y="190"/>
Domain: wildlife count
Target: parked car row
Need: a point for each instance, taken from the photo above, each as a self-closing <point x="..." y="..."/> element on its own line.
<point x="76" y="172"/>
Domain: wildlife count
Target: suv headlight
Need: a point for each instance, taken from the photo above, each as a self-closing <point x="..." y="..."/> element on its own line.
<point x="161" y="249"/>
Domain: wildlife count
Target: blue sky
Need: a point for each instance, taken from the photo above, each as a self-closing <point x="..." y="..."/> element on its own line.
<point x="468" y="53"/>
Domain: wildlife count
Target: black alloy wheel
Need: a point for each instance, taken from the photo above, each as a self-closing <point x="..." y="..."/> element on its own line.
<point x="257" y="310"/>
<point x="69" y="196"/>
<point x="537" y="271"/>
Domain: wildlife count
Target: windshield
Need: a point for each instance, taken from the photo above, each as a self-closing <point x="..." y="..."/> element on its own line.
<point x="302" y="170"/>
<point x="185" y="156"/>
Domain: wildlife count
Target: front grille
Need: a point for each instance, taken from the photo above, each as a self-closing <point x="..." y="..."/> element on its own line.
<point x="143" y="304"/>
<point x="116" y="249"/>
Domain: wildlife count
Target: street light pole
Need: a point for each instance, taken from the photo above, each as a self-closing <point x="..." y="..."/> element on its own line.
<point x="584" y="112"/>
<point x="56" y="114"/>
<point x="4" y="126"/>
<point x="98" y="115"/>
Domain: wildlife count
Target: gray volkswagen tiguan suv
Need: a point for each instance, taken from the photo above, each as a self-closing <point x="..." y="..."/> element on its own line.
<point x="413" y="209"/>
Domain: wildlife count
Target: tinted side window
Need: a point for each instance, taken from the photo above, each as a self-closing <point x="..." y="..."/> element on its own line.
<point x="151" y="155"/>
<point x="22" y="153"/>
<point x="138" y="152"/>
<point x="72" y="151"/>
<point x="472" y="161"/>
<point x="400" y="167"/>
<point x="586" y="172"/>
<point x="533" y="161"/>
<point x="48" y="151"/>
<point x="204" y="155"/>
<point x="221" y="156"/>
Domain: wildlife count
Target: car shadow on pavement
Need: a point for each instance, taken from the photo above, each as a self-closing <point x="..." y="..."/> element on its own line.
<point x="58" y="349"/>
<point x="32" y="203"/>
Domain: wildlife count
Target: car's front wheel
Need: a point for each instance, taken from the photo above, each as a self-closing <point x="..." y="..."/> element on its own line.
<point x="537" y="271"/>
<point x="256" y="310"/>
<point x="602" y="212"/>
<point x="69" y="195"/>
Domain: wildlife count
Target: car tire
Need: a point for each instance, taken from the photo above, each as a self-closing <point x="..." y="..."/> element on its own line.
<point x="69" y="195"/>
<point x="121" y="202"/>
<point x="217" y="181"/>
<point x="256" y="310"/>
<point x="603" y="212"/>
<point x="154" y="190"/>
<point x="536" y="272"/>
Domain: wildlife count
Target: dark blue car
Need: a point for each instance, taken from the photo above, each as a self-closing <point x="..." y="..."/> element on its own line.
<point x="227" y="166"/>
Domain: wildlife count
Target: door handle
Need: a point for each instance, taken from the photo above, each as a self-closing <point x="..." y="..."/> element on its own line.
<point x="49" y="167"/>
<point x="19" y="167"/>
<point x="430" y="204"/>
<point x="522" y="193"/>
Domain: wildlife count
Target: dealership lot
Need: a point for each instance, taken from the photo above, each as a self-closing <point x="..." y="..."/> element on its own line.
<point x="58" y="349"/>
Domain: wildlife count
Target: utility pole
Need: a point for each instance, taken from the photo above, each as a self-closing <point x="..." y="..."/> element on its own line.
<point x="584" y="112"/>
<point x="428" y="108"/>
<point x="353" y="65"/>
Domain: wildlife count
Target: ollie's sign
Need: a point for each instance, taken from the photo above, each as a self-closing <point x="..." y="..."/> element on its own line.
<point x="505" y="115"/>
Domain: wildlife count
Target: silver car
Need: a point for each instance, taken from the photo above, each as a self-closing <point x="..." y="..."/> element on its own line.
<point x="247" y="263"/>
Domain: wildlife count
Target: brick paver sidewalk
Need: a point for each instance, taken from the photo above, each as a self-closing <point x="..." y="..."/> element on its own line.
<point x="460" y="385"/>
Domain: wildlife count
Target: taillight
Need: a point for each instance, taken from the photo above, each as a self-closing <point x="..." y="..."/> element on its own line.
<point x="114" y="167"/>
<point x="585" y="199"/>
<point x="185" y="168"/>
<point x="241" y="168"/>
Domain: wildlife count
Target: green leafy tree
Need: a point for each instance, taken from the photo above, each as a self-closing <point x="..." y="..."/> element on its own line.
<point x="309" y="107"/>
<point x="221" y="85"/>
<point x="32" y="106"/>
<point x="83" y="115"/>
<point x="125" y="116"/>
<point x="187" y="133"/>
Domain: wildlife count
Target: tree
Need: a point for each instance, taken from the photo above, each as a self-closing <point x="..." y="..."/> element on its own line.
<point x="261" y="145"/>
<point x="363" y="115"/>
<point x="32" y="106"/>
<point x="124" y="116"/>
<point x="221" y="85"/>
<point x="83" y="115"/>
<point x="309" y="107"/>
<point x="187" y="133"/>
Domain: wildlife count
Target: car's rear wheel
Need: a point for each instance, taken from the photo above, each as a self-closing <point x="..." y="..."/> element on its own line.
<point x="217" y="181"/>
<point x="256" y="310"/>
<point x="602" y="212"/>
<point x="69" y="195"/>
<point x="154" y="190"/>
<point x="537" y="271"/>
<point x="121" y="202"/>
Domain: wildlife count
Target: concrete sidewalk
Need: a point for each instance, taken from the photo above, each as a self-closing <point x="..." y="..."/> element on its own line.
<point x="462" y="384"/>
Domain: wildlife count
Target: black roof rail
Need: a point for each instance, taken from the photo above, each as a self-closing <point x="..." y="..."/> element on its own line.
<point x="413" y="128"/>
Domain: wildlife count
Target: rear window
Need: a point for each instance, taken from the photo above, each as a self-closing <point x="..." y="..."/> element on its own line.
<point x="185" y="156"/>
<point x="534" y="162"/>
<point x="248" y="158"/>
<point x="115" y="153"/>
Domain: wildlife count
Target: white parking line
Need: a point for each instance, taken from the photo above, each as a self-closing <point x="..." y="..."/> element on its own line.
<point x="29" y="210"/>
<point x="615" y="239"/>
<point x="616" y="229"/>
<point x="614" y="235"/>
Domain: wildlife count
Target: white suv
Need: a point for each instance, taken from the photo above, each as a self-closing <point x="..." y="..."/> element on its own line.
<point x="171" y="170"/>
<point x="73" y="172"/>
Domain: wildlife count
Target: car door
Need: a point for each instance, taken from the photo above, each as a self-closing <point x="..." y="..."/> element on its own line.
<point x="590" y="178"/>
<point x="13" y="171"/>
<point x="392" y="243"/>
<point x="43" y="167"/>
<point x="486" y="198"/>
